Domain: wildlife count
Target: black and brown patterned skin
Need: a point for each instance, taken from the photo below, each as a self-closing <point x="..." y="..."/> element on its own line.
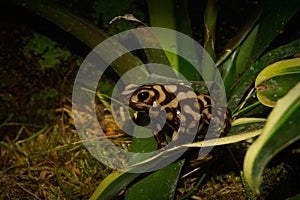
<point x="176" y="110"/>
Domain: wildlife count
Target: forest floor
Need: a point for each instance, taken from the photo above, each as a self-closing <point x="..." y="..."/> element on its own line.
<point x="42" y="156"/>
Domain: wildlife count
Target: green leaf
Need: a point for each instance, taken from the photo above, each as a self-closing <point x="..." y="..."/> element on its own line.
<point x="113" y="184"/>
<point x="210" y="23"/>
<point x="275" y="15"/>
<point x="279" y="13"/>
<point x="143" y="143"/>
<point x="183" y="25"/>
<point x="236" y="93"/>
<point x="276" y="80"/>
<point x="161" y="14"/>
<point x="245" y="51"/>
<point x="296" y="197"/>
<point x="143" y="140"/>
<point x="229" y="70"/>
<point x="243" y="33"/>
<point x="234" y="61"/>
<point x="282" y="129"/>
<point x="158" y="185"/>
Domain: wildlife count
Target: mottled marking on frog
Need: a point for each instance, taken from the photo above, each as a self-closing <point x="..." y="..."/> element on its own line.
<point x="192" y="124"/>
<point x="197" y="105"/>
<point x="172" y="104"/>
<point x="158" y="127"/>
<point x="205" y="99"/>
<point x="171" y="88"/>
<point x="196" y="115"/>
<point x="186" y="95"/>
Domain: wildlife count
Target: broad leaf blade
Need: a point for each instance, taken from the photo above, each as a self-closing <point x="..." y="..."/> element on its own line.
<point x="158" y="185"/>
<point x="183" y="25"/>
<point x="276" y="80"/>
<point x="245" y="51"/>
<point x="112" y="185"/>
<point x="282" y="128"/>
<point x="210" y="23"/>
<point x="161" y="14"/>
<point x="143" y="144"/>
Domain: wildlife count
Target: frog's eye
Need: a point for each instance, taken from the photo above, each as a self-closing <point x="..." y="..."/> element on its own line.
<point x="143" y="96"/>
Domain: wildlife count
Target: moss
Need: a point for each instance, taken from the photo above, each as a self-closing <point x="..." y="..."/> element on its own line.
<point x="47" y="52"/>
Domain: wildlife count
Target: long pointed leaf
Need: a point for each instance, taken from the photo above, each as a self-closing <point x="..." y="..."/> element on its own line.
<point x="210" y="23"/>
<point x="240" y="36"/>
<point x="183" y="25"/>
<point x="282" y="128"/>
<point x="161" y="14"/>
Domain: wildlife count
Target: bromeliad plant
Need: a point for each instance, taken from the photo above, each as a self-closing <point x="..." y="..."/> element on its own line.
<point x="249" y="65"/>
